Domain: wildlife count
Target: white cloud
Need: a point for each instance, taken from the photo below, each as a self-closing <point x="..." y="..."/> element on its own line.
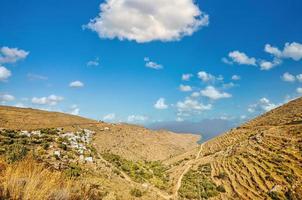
<point x="236" y="77"/>
<point x="273" y="50"/>
<point x="109" y="117"/>
<point x="299" y="77"/>
<point x="76" y="84"/>
<point x="207" y="77"/>
<point x="212" y="93"/>
<point x="50" y="100"/>
<point x="299" y="90"/>
<point x="145" y="20"/>
<point x="241" y="58"/>
<point x="185" y="88"/>
<point x="75" y="110"/>
<point x="6" y="98"/>
<point x="137" y="118"/>
<point x="152" y="64"/>
<point x="288" y="77"/>
<point x="195" y="94"/>
<point x="191" y="105"/>
<point x="93" y="63"/>
<point x="291" y="50"/>
<point x="12" y="55"/>
<point x="4" y="73"/>
<point x="267" y="65"/>
<point x="263" y="104"/>
<point x="20" y="105"/>
<point x="161" y="104"/>
<point x="186" y="77"/>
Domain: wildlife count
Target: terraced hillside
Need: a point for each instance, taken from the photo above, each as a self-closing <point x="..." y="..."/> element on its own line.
<point x="262" y="159"/>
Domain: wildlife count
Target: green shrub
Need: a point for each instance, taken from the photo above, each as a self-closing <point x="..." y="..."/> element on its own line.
<point x="222" y="175"/>
<point x="136" y="192"/>
<point x="15" y="152"/>
<point x="220" y="188"/>
<point x="197" y="184"/>
<point x="141" y="171"/>
<point x="275" y="195"/>
<point x="63" y="146"/>
<point x="46" y="146"/>
<point x="73" y="170"/>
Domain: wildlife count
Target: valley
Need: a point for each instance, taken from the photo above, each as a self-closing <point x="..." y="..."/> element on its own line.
<point x="261" y="159"/>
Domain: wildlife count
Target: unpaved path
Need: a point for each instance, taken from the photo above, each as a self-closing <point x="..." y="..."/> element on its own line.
<point x="188" y="166"/>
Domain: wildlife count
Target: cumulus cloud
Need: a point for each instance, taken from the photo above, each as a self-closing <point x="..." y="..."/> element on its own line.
<point x="288" y="77"/>
<point x="145" y="20"/>
<point x="137" y="118"/>
<point x="272" y="50"/>
<point x="236" y="77"/>
<point x="161" y="104"/>
<point x="76" y="84"/>
<point x="263" y="104"/>
<point x="12" y="55"/>
<point x="189" y="106"/>
<point x="186" y="77"/>
<point x="6" y="98"/>
<point x="93" y="63"/>
<point x="207" y="77"/>
<point x="152" y="64"/>
<point x="299" y="90"/>
<point x="50" y="100"/>
<point x="214" y="94"/>
<point x="185" y="88"/>
<point x="291" y="50"/>
<point x="109" y="117"/>
<point x="241" y="58"/>
<point x="195" y="94"/>
<point x="267" y="65"/>
<point x="4" y="73"/>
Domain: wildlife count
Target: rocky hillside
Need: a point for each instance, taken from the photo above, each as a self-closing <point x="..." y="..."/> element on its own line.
<point x="84" y="158"/>
<point x="262" y="159"/>
<point x="129" y="141"/>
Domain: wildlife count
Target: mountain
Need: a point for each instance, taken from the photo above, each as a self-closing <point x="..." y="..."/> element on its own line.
<point x="262" y="159"/>
<point x="208" y="128"/>
<point x="85" y="159"/>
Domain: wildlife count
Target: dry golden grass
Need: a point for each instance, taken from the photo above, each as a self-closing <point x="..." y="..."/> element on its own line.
<point x="29" y="119"/>
<point x="28" y="180"/>
<point x="261" y="159"/>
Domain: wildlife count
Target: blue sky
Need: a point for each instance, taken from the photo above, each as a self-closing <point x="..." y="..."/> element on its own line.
<point x="127" y="64"/>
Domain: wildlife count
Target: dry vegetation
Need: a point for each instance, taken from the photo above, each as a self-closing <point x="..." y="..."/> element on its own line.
<point x="261" y="159"/>
<point x="50" y="139"/>
<point x="28" y="179"/>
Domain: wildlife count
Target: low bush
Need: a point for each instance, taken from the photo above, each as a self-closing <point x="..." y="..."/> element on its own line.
<point x="136" y="192"/>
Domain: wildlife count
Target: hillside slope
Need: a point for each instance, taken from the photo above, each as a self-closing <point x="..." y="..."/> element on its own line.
<point x="130" y="141"/>
<point x="262" y="159"/>
<point x="115" y="161"/>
